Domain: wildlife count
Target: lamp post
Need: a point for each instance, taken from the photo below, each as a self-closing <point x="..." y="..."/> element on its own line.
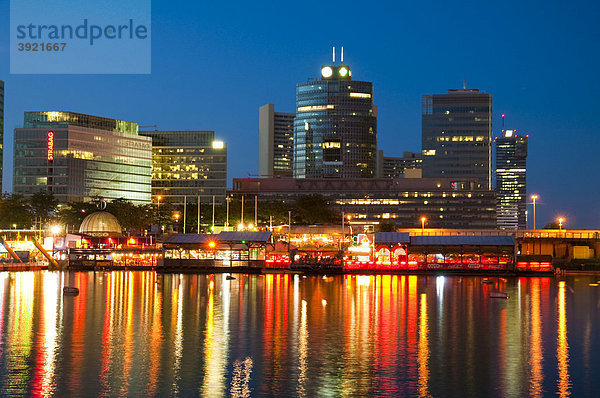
<point x="423" y="219"/>
<point x="349" y="217"/>
<point x="534" y="197"/>
<point x="158" y="199"/>
<point x="227" y="199"/>
<point x="560" y="223"/>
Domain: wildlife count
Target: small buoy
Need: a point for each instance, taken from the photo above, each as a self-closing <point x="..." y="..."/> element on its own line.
<point x="501" y="295"/>
<point x="71" y="291"/>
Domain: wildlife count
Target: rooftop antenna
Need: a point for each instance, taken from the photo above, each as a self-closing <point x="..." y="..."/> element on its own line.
<point x="342" y="55"/>
<point x="464" y="84"/>
<point x="503" y="122"/>
<point x="334" y="54"/>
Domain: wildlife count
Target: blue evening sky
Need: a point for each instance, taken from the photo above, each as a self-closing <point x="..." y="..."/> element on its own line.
<point x="215" y="63"/>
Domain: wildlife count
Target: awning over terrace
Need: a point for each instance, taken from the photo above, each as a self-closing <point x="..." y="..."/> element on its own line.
<point x="225" y="239"/>
<point x="462" y="241"/>
<point x="391" y="237"/>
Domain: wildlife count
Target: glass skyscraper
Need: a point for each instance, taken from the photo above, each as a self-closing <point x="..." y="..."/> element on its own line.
<point x="80" y="157"/>
<point x="457" y="136"/>
<point x="335" y="129"/>
<point x="511" y="180"/>
<point x="188" y="163"/>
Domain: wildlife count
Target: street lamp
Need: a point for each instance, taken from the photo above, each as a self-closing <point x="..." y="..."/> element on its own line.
<point x="177" y="215"/>
<point x="534" y="197"/>
<point x="227" y="199"/>
<point x="560" y="222"/>
<point x="158" y="199"/>
<point x="423" y="219"/>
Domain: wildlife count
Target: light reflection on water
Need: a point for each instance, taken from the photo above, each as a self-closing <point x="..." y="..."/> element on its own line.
<point x="139" y="333"/>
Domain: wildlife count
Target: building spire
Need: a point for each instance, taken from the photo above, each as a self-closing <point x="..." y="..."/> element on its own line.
<point x="333" y="56"/>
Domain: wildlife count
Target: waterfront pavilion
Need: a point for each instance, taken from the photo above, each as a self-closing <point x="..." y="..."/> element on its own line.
<point x="228" y="248"/>
<point x="461" y="252"/>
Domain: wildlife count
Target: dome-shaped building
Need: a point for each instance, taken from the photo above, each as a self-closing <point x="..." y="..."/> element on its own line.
<point x="101" y="224"/>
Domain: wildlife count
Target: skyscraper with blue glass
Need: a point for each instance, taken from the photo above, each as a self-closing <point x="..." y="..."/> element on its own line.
<point x="335" y="129"/>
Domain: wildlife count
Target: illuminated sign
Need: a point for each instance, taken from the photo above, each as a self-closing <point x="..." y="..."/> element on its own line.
<point x="50" y="152"/>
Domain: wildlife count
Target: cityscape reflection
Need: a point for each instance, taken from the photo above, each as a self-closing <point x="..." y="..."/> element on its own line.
<point x="130" y="333"/>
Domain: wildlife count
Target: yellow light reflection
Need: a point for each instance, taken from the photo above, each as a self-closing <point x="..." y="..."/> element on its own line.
<point x="423" y="355"/>
<point x="50" y="299"/>
<point x="19" y="329"/>
<point x="216" y="341"/>
<point x="562" y="348"/>
<point x="303" y="352"/>
<point x="178" y="343"/>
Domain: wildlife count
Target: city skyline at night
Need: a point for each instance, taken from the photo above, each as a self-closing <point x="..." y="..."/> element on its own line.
<point x="533" y="61"/>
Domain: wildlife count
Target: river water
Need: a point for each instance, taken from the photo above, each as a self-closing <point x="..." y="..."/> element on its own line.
<point x="144" y="334"/>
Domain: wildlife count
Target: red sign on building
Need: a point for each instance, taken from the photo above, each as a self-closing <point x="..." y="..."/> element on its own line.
<point x="50" y="153"/>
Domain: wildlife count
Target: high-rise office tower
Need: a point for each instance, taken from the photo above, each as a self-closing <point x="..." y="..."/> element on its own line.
<point x="188" y="164"/>
<point x="335" y="129"/>
<point x="275" y="142"/>
<point x="511" y="180"/>
<point x="457" y="136"/>
<point x="1" y="131"/>
<point x="79" y="157"/>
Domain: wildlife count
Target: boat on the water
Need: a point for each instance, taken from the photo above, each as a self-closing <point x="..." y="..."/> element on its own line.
<point x="70" y="291"/>
<point x="501" y="295"/>
<point x="487" y="281"/>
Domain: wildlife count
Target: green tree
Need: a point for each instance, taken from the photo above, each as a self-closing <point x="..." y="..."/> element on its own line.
<point x="15" y="211"/>
<point x="72" y="214"/>
<point x="131" y="217"/>
<point x="313" y="209"/>
<point x="386" y="226"/>
<point x="43" y="205"/>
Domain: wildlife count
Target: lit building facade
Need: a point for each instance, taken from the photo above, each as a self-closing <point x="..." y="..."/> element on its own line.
<point x="275" y="142"/>
<point x="335" y="129"/>
<point x="408" y="166"/>
<point x="443" y="202"/>
<point x="511" y="180"/>
<point x="457" y="136"/>
<point x="80" y="157"/>
<point x="188" y="164"/>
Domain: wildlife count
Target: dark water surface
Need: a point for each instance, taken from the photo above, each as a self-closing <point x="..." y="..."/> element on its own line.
<point x="143" y="334"/>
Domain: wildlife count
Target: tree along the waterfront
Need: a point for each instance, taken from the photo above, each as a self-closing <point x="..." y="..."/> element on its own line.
<point x="15" y="212"/>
